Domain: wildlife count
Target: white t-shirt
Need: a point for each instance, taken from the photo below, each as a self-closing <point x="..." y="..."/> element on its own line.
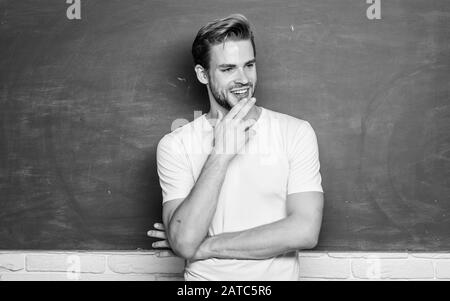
<point x="282" y="158"/>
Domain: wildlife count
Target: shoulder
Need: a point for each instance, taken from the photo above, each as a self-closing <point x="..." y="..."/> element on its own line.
<point x="177" y="137"/>
<point x="290" y="125"/>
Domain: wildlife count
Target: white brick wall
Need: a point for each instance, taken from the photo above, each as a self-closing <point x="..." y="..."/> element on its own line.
<point x="324" y="267"/>
<point x="95" y="264"/>
<point x="89" y="266"/>
<point x="12" y="262"/>
<point x="147" y="266"/>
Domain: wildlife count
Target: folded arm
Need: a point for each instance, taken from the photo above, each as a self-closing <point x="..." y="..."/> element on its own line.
<point x="187" y="220"/>
<point x="299" y="230"/>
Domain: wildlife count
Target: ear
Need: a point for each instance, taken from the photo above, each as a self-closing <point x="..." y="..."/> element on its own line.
<point x="202" y="74"/>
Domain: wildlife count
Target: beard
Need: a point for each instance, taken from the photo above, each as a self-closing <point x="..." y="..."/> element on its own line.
<point x="220" y="96"/>
<point x="221" y="99"/>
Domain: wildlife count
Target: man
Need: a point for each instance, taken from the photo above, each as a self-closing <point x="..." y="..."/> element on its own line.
<point x="241" y="184"/>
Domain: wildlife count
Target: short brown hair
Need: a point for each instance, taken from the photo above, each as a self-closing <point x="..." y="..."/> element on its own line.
<point x="234" y="27"/>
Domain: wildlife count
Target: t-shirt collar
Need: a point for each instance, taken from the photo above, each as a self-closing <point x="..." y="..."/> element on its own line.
<point x="254" y="127"/>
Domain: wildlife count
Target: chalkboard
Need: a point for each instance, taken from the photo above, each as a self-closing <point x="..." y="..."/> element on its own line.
<point x="84" y="102"/>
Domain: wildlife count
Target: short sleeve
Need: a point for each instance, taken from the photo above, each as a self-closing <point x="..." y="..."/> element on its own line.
<point x="304" y="165"/>
<point x="175" y="176"/>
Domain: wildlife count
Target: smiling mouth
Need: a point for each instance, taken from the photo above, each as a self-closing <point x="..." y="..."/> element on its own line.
<point x="241" y="93"/>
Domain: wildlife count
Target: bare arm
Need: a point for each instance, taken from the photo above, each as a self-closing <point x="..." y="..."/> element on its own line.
<point x="299" y="230"/>
<point x="187" y="221"/>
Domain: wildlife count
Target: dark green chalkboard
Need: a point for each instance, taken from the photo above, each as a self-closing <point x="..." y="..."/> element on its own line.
<point x="83" y="104"/>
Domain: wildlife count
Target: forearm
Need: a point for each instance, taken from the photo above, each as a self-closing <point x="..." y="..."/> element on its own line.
<point x="261" y="242"/>
<point x="191" y="220"/>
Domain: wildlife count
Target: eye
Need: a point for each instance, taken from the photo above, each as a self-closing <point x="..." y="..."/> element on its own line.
<point x="251" y="65"/>
<point x="227" y="69"/>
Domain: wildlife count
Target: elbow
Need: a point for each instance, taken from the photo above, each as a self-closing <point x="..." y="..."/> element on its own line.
<point x="184" y="248"/>
<point x="305" y="241"/>
<point x="311" y="242"/>
<point x="185" y="251"/>
<point x="307" y="235"/>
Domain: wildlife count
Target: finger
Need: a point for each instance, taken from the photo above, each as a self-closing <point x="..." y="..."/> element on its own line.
<point x="165" y="253"/>
<point x="161" y="244"/>
<point x="250" y="133"/>
<point x="157" y="234"/>
<point x="159" y="226"/>
<point x="234" y="110"/>
<point x="220" y="114"/>
<point x="248" y="123"/>
<point x="245" y="109"/>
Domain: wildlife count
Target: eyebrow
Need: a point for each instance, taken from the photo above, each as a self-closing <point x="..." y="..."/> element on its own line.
<point x="233" y="65"/>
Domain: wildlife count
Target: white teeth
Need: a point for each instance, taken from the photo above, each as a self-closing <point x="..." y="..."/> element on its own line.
<point x="240" y="91"/>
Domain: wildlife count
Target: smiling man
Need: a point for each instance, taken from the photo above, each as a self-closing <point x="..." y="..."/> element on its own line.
<point x="241" y="184"/>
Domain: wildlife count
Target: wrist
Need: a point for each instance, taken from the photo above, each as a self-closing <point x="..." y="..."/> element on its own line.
<point x="203" y="251"/>
<point x="221" y="156"/>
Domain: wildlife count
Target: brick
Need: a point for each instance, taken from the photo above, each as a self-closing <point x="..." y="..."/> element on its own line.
<point x="442" y="267"/>
<point x="367" y="255"/>
<point x="137" y="252"/>
<point x="314" y="279"/>
<point x="63" y="262"/>
<point x="324" y="268"/>
<point x="38" y="276"/>
<point x="35" y="277"/>
<point x="12" y="262"/>
<point x="117" y="277"/>
<point x="170" y="277"/>
<point x="431" y="255"/>
<point x="393" y="268"/>
<point x="142" y="264"/>
<point x="345" y="255"/>
<point x="372" y="279"/>
<point x="311" y="254"/>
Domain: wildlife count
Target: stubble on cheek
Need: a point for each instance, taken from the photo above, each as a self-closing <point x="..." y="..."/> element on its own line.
<point x="222" y="99"/>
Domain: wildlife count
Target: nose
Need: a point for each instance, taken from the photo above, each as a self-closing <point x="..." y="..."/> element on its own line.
<point x="242" y="77"/>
